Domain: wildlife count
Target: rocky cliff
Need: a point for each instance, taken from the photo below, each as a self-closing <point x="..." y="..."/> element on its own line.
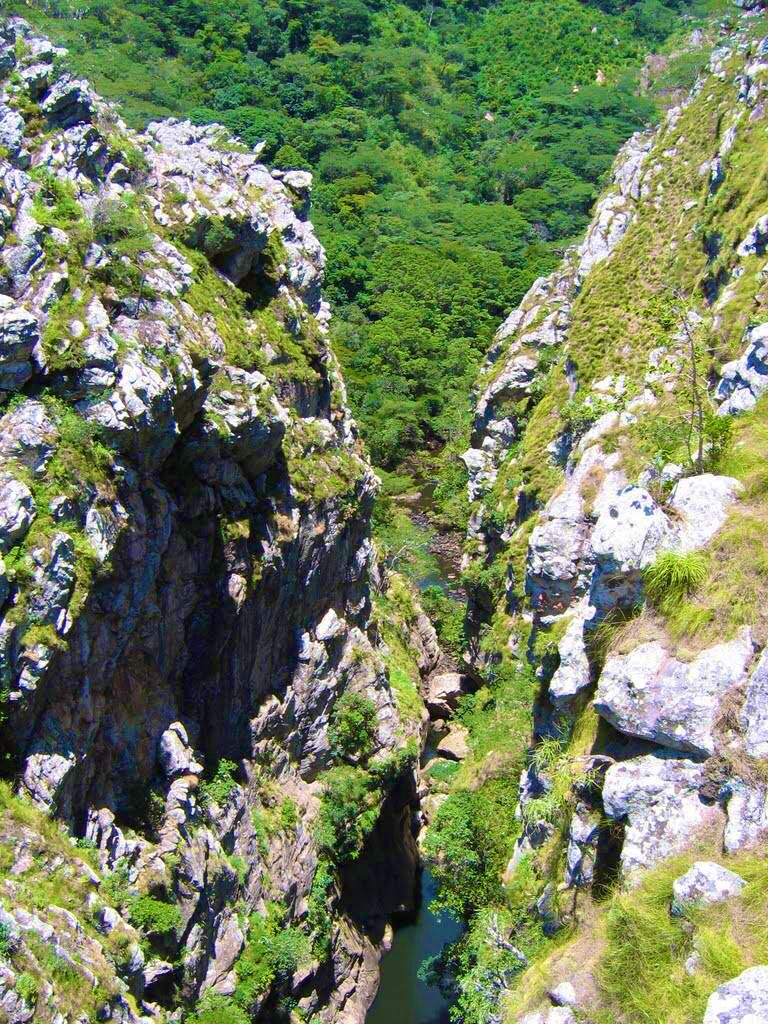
<point x="617" y="481"/>
<point x="214" y="779"/>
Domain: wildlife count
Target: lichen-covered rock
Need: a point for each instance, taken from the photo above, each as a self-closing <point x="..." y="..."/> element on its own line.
<point x="704" y="882"/>
<point x="650" y="694"/>
<point x="745" y="379"/>
<point x="747" y="815"/>
<point x="744" y="1000"/>
<point x="658" y="796"/>
<point x="754" y="712"/>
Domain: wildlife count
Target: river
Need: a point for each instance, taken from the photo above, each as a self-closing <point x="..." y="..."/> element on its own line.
<point x="402" y="997"/>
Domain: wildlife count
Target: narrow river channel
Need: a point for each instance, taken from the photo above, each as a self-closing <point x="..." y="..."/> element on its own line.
<point x="402" y="997"/>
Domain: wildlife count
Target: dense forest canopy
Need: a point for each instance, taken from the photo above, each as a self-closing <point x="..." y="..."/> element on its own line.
<point x="458" y="146"/>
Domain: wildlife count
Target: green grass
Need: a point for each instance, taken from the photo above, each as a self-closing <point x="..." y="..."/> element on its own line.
<point x="642" y="976"/>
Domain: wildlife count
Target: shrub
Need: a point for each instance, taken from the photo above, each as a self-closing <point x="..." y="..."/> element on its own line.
<point x="672" y="577"/>
<point x="27" y="988"/>
<point x="352" y="732"/>
<point x="217" y="1009"/>
<point x="289" y="815"/>
<point x="6" y="941"/>
<point x="271" y="952"/>
<point x="218" y="789"/>
<point x="153" y="916"/>
<point x="348" y="812"/>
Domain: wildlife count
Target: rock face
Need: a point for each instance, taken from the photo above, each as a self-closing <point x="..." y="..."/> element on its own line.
<point x="184" y="519"/>
<point x="659" y="798"/>
<point x="741" y="1001"/>
<point x="656" y="697"/>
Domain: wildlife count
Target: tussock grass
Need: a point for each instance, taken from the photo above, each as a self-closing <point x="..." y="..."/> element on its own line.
<point x="674" y="576"/>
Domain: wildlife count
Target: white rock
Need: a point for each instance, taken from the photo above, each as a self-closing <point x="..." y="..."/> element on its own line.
<point x="741" y="1001"/>
<point x="658" y="797"/>
<point x="649" y="694"/>
<point x="703" y="503"/>
<point x="704" y="882"/>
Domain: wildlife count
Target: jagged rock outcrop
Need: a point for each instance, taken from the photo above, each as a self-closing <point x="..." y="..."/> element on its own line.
<point x="184" y="519"/>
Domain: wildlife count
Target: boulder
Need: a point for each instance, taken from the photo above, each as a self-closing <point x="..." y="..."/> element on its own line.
<point x="175" y="753"/>
<point x="68" y="103"/>
<point x="754" y="713"/>
<point x="744" y="1000"/>
<point x="443" y="692"/>
<point x="583" y="836"/>
<point x="28" y="435"/>
<point x="657" y="795"/>
<point x="650" y="694"/>
<point x="702" y="503"/>
<point x="573" y="675"/>
<point x="455" y="745"/>
<point x="704" y="882"/>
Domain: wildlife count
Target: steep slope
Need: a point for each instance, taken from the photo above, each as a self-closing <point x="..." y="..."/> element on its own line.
<point x="616" y="573"/>
<point x="191" y="679"/>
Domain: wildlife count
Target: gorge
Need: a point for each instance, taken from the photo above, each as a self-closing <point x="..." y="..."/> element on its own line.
<point x="260" y="748"/>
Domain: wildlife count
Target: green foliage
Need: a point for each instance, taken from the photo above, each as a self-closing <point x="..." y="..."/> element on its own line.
<point x="403" y="544"/>
<point x="218" y="1009"/>
<point x="447" y="615"/>
<point x="673" y="576"/>
<point x="642" y="975"/>
<point x="115" y="888"/>
<point x="457" y="148"/>
<point x="352" y="730"/>
<point x="224" y="781"/>
<point x="272" y="952"/>
<point x="348" y="813"/>
<point x="6" y="941"/>
<point x="28" y="988"/>
<point x="469" y="844"/>
<point x="153" y="916"/>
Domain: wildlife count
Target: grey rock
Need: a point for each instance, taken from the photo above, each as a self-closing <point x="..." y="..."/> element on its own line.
<point x="17" y="510"/>
<point x="649" y="694"/>
<point x="747" y="815"/>
<point x="583" y="836"/>
<point x="19" y="335"/>
<point x="454" y="746"/>
<point x="573" y="675"/>
<point x="702" y="503"/>
<point x="443" y="692"/>
<point x="563" y="994"/>
<point x="745" y="379"/>
<point x="704" y="882"/>
<point x="744" y="1000"/>
<point x="754" y="713"/>
<point x="175" y="753"/>
<point x="11" y="130"/>
<point x="28" y="435"/>
<point x="69" y="102"/>
<point x="658" y="797"/>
